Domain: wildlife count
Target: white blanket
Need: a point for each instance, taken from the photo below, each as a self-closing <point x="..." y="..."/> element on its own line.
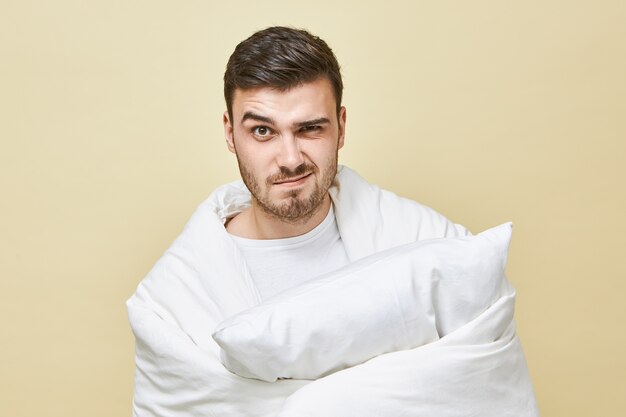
<point x="476" y="370"/>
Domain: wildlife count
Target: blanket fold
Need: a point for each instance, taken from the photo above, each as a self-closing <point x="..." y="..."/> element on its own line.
<point x="478" y="370"/>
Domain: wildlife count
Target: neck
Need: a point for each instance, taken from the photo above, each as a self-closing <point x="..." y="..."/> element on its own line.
<point x="255" y="223"/>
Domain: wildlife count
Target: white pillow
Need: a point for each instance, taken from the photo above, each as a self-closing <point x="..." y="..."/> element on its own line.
<point x="394" y="300"/>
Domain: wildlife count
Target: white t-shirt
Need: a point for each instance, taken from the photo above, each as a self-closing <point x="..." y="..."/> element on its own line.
<point x="278" y="264"/>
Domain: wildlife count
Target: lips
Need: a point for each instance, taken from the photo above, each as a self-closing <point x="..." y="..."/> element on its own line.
<point x="292" y="180"/>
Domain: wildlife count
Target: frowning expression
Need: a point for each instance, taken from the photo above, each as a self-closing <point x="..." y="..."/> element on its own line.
<point x="286" y="144"/>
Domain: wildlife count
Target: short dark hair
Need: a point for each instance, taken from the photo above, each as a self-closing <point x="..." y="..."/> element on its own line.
<point x="280" y="57"/>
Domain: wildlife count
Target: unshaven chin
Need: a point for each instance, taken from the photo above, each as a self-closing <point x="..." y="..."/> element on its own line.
<point x="294" y="208"/>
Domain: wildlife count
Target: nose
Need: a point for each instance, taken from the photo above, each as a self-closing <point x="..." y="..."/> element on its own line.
<point x="290" y="155"/>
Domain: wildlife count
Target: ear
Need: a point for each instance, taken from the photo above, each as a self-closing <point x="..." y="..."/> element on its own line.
<point x="228" y="133"/>
<point x="342" y="126"/>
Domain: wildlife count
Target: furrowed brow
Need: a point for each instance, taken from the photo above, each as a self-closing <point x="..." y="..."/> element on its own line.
<point x="253" y="116"/>
<point x="318" y="121"/>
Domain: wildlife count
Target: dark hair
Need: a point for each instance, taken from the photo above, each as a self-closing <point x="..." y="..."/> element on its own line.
<point x="280" y="57"/>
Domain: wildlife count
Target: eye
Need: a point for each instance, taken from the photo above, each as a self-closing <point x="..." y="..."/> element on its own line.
<point x="262" y="132"/>
<point x="310" y="128"/>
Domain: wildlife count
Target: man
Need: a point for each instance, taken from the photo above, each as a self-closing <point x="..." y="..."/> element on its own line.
<point x="286" y="125"/>
<point x="299" y="216"/>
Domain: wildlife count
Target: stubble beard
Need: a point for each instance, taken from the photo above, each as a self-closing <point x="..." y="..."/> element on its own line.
<point x="293" y="209"/>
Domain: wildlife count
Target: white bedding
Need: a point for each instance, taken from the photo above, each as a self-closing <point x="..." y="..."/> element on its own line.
<point x="475" y="369"/>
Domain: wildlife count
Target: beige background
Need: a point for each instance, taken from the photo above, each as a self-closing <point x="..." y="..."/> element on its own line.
<point x="487" y="111"/>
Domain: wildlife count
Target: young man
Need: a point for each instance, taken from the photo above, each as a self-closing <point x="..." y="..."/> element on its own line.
<point x="296" y="216"/>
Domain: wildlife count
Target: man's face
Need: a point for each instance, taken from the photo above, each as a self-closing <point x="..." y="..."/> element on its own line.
<point x="286" y="144"/>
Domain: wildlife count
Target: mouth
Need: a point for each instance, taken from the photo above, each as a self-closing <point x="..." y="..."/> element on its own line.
<point x="294" y="180"/>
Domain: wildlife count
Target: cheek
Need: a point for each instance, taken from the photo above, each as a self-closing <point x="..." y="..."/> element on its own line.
<point x="322" y="151"/>
<point x="257" y="157"/>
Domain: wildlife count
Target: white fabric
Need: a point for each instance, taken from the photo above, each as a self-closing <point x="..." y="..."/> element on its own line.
<point x="394" y="300"/>
<point x="279" y="264"/>
<point x="201" y="280"/>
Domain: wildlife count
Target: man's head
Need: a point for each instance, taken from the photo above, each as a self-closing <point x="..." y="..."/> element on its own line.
<point x="280" y="58"/>
<point x="284" y="120"/>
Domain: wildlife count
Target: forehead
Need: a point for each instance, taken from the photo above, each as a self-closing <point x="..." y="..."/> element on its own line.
<point x="309" y="100"/>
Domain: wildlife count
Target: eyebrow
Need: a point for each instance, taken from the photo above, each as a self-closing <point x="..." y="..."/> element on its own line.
<point x="253" y="116"/>
<point x="318" y="121"/>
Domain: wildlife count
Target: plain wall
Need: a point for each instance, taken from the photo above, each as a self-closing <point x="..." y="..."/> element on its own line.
<point x="487" y="111"/>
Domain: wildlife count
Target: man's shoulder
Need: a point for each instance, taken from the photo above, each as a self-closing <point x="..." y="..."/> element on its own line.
<point x="202" y="250"/>
<point x="366" y="212"/>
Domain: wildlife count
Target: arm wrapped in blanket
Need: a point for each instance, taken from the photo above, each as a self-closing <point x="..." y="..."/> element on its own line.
<point x="424" y="329"/>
